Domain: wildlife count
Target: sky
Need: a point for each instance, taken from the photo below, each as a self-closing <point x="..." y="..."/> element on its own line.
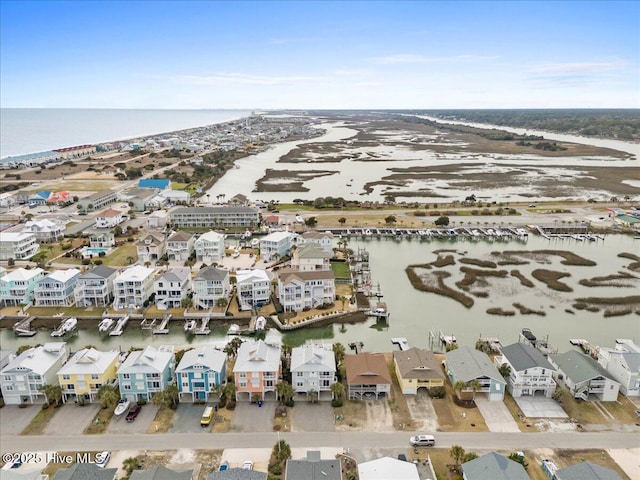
<point x="320" y="55"/>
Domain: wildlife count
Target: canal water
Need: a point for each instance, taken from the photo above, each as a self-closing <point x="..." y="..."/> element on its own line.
<point x="413" y="314"/>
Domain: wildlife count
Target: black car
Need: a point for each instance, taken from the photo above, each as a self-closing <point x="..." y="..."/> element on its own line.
<point x="402" y="457"/>
<point x="133" y="412"/>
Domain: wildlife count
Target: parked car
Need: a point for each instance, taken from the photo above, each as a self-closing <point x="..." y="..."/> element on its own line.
<point x="402" y="457"/>
<point x="133" y="412"/>
<point x="102" y="459"/>
<point x="422" y="441"/>
<point x="247" y="465"/>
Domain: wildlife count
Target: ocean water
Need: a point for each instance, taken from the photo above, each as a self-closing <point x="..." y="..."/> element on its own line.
<point x="31" y="130"/>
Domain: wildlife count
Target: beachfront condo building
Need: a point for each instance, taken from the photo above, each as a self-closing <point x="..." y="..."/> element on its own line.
<point x="200" y="370"/>
<point x="210" y="247"/>
<point x="57" y="288"/>
<point x="97" y="201"/>
<point x="146" y="372"/>
<point x="18" y="245"/>
<point x="94" y="288"/>
<point x="303" y="290"/>
<point x="253" y="288"/>
<point x="180" y="246"/>
<point x="214" y="217"/>
<point x="276" y="245"/>
<point x="172" y="287"/>
<point x="209" y="286"/>
<point x="133" y="288"/>
<point x="85" y="372"/>
<point x="257" y="370"/>
<point x="17" y="286"/>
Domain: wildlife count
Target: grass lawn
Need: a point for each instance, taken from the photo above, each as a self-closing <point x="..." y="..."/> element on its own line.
<point x="100" y="422"/>
<point x="40" y="421"/>
<point x="341" y="270"/>
<point x="583" y="412"/>
<point x="66" y="311"/>
<point x="352" y="414"/>
<point x="119" y="257"/>
<point x="454" y="418"/>
<point x="190" y="188"/>
<point x="163" y="421"/>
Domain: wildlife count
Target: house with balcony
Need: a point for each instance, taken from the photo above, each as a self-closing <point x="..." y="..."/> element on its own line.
<point x="180" y="246"/>
<point x="17" y="287"/>
<point x="210" y="247"/>
<point x="367" y="376"/>
<point x="109" y="218"/>
<point x="622" y="363"/>
<point x="57" y="289"/>
<point x="310" y="257"/>
<point x="275" y="246"/>
<point x="85" y="372"/>
<point x="24" y="376"/>
<point x="133" y="287"/>
<point x="253" y="288"/>
<point x="584" y="377"/>
<point x="18" y="245"/>
<point x="94" y="288"/>
<point x="146" y="372"/>
<point x="172" y="287"/>
<point x="44" y="230"/>
<point x="467" y="365"/>
<point x="151" y="247"/>
<point x="214" y="217"/>
<point x="529" y="373"/>
<point x="102" y="240"/>
<point x="313" y="369"/>
<point x="257" y="371"/>
<point x="417" y="368"/>
<point x="323" y="239"/>
<point x="303" y="290"/>
<point x="200" y="370"/>
<point x="210" y="285"/>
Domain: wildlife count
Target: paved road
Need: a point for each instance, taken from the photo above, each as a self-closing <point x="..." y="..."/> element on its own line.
<point x="352" y="440"/>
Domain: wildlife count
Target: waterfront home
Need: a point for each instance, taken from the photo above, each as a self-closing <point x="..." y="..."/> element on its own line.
<point x="584" y="377"/>
<point x="209" y="247"/>
<point x="151" y="247"/>
<point x="214" y="217"/>
<point x="367" y="376"/>
<point x="239" y="199"/>
<point x="253" y="288"/>
<point x="175" y="197"/>
<point x="146" y="372"/>
<point x="85" y="372"/>
<point x="85" y="471"/>
<point x="529" y="372"/>
<point x="323" y="239"/>
<point x="417" y="368"/>
<point x="276" y="245"/>
<point x="310" y="257"/>
<point x="159" y="183"/>
<point x="298" y="291"/>
<point x="109" y="218"/>
<point x="313" y="467"/>
<point x="23" y="377"/>
<point x="172" y="287"/>
<point x="17" y="286"/>
<point x="97" y="201"/>
<point x="494" y="466"/>
<point x="18" y="245"/>
<point x="257" y="370"/>
<point x="586" y="471"/>
<point x="387" y="468"/>
<point x="157" y="220"/>
<point x="271" y="221"/>
<point x="465" y="365"/>
<point x="160" y="472"/>
<point x="199" y="371"/>
<point x="133" y="287"/>
<point x="102" y="240"/>
<point x="623" y="364"/>
<point x="180" y="246"/>
<point x="94" y="288"/>
<point x="77" y="151"/>
<point x="313" y="369"/>
<point x="44" y="230"/>
<point x="56" y="289"/>
<point x="210" y="285"/>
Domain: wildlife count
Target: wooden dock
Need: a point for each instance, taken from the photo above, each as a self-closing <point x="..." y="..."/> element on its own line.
<point x="162" y="328"/>
<point x="120" y="324"/>
<point x="23" y="328"/>
<point x="203" y="329"/>
<point x="401" y="342"/>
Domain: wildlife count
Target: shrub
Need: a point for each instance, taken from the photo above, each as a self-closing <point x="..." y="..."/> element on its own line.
<point x="86" y="261"/>
<point x="337" y="402"/>
<point x="437" y="392"/>
<point x="231" y="404"/>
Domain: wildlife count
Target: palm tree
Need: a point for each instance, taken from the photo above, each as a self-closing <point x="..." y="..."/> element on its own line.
<point x="231" y="348"/>
<point x="338" y="352"/>
<point x="132" y="463"/>
<point x="457" y="453"/>
<point x="167" y="398"/>
<point x="505" y="370"/>
<point x="458" y="387"/>
<point x="312" y="395"/>
<point x="52" y="392"/>
<point x="475" y="386"/>
<point x="129" y="260"/>
<point x="337" y="390"/>
<point x="108" y="396"/>
<point x="342" y="299"/>
<point x="229" y="390"/>
<point x="285" y="392"/>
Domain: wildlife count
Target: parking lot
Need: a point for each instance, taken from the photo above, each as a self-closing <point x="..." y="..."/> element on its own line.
<point x="71" y="419"/>
<point x="248" y="417"/>
<point x="187" y="419"/>
<point x="14" y="420"/>
<point x="140" y="425"/>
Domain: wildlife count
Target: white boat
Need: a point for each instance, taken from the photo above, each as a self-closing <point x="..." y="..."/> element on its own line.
<point x="234" y="329"/>
<point x="105" y="325"/>
<point x="68" y="325"/>
<point x="121" y="407"/>
<point x="367" y="232"/>
<point x="236" y="254"/>
<point x="190" y="325"/>
<point x="255" y="242"/>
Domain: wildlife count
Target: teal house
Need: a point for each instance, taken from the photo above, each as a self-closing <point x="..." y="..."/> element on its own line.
<point x="199" y="371"/>
<point x="467" y="365"/>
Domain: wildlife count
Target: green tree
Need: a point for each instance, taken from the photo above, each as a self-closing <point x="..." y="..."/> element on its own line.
<point x="338" y="352"/>
<point x="311" y="222"/>
<point x="229" y="390"/>
<point x="505" y="370"/>
<point x="108" y="396"/>
<point x="231" y="348"/>
<point x="285" y="392"/>
<point x="281" y="451"/>
<point x="167" y="398"/>
<point x="52" y="392"/>
<point x="390" y="219"/>
<point x="475" y="386"/>
<point x="337" y="390"/>
<point x="313" y="395"/>
<point x="342" y="220"/>
<point x="442" y="221"/>
<point x="130" y="464"/>
<point x="457" y="453"/>
<point x="458" y="387"/>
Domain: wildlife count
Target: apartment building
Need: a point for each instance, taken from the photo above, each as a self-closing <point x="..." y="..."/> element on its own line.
<point x="214" y="217"/>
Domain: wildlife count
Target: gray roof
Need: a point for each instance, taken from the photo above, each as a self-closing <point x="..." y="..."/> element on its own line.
<point x="313" y="468"/>
<point x="469" y="364"/>
<point x="178" y="274"/>
<point x="101" y="271"/>
<point x="495" y="467"/>
<point x="418" y="363"/>
<point x="212" y="273"/>
<point x="180" y="236"/>
<point x="312" y="250"/>
<point x="313" y="358"/>
<point x="160" y="472"/>
<point x="522" y="356"/>
<point x="234" y="209"/>
<point x="85" y="471"/>
<point x="237" y="474"/>
<point x="19" y="475"/>
<point x="587" y="471"/>
<point x="206" y="356"/>
<point x="578" y="366"/>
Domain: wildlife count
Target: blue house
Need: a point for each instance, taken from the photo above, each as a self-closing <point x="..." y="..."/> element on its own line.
<point x="465" y="365"/>
<point x="146" y="372"/>
<point x="199" y="371"/>
<point x="39" y="198"/>
<point x="160" y="183"/>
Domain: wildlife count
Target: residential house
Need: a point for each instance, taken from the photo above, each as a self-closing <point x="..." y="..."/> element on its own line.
<point x="210" y="285"/>
<point x="417" y="368"/>
<point x="77" y="151"/>
<point x="157" y="220"/>
<point x="237" y="474"/>
<point x="102" y="240"/>
<point x="271" y="221"/>
<point x="584" y="377"/>
<point x="529" y="373"/>
<point x="275" y="246"/>
<point x="209" y="247"/>
<point x="253" y="288"/>
<point x="323" y="239"/>
<point x="310" y="257"/>
<point x="56" y="289"/>
<point x="176" y="197"/>
<point x="18" y="245"/>
<point x="465" y="365"/>
<point x="298" y="291"/>
<point x="23" y="377"/>
<point x="199" y="371"/>
<point x="367" y="376"/>
<point x="61" y="198"/>
<point x="214" y="217"/>
<point x="44" y="230"/>
<point x="180" y="246"/>
<point x="257" y="370"/>
<point x="133" y="287"/>
<point x="313" y="369"/>
<point x="239" y="199"/>
<point x="39" y="198"/>
<point x="139" y="198"/>
<point x="94" y="288"/>
<point x="313" y="467"/>
<point x="623" y="364"/>
<point x="160" y="472"/>
<point x="85" y="372"/>
<point x="151" y="247"/>
<point x="172" y="287"/>
<point x="159" y="183"/>
<point x="494" y="466"/>
<point x="86" y="471"/>
<point x="387" y="468"/>
<point x="98" y="200"/>
<point x="17" y="286"/>
<point x="146" y="372"/>
<point x="586" y="471"/>
<point x="109" y="218"/>
<point x="5" y="357"/>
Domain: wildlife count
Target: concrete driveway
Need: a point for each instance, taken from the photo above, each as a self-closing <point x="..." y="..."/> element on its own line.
<point x="14" y="420"/>
<point x="422" y="411"/>
<point x="187" y="419"/>
<point x="540" y="407"/>
<point x="141" y="424"/>
<point x="308" y="417"/>
<point x="248" y="417"/>
<point x="71" y="418"/>
<point x="496" y="415"/>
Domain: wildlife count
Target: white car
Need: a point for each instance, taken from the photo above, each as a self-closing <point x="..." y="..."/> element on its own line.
<point x="247" y="465"/>
<point x="102" y="459"/>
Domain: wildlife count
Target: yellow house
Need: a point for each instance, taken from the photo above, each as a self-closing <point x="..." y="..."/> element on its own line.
<point x="416" y="368"/>
<point x="83" y="375"/>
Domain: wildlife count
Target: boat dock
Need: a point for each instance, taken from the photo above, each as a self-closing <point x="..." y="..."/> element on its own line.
<point x="401" y="342"/>
<point x="497" y="232"/>
<point x="162" y="328"/>
<point x="586" y="347"/>
<point x="23" y="328"/>
<point x="356" y="347"/>
<point x="67" y="327"/>
<point x="120" y="324"/>
<point x="203" y="329"/>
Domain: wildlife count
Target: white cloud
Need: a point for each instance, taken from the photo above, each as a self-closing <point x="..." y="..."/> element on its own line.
<point x="244" y="79"/>
<point x="415" y="58"/>
<point x="572" y="68"/>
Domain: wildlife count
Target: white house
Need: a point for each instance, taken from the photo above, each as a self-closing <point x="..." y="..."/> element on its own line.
<point x="102" y="240"/>
<point x="210" y="247"/>
<point x="310" y="257"/>
<point x="157" y="220"/>
<point x="18" y="245"/>
<point x="323" y="239"/>
<point x="95" y="287"/>
<point x="133" y="287"/>
<point x="313" y="368"/>
<point x="300" y="290"/>
<point x="17" y="286"/>
<point x="180" y="246"/>
<point x="151" y="247"/>
<point x="275" y="245"/>
<point x="210" y="285"/>
<point x="23" y="377"/>
<point x="387" y="468"/>
<point x="45" y="230"/>
<point x="109" y="218"/>
<point x="584" y="377"/>
<point x="253" y="288"/>
<point x="56" y="289"/>
<point x="530" y="371"/>
<point x="623" y="364"/>
<point x="172" y="287"/>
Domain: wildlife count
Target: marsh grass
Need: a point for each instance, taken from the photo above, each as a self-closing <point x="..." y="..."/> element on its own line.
<point x="552" y="279"/>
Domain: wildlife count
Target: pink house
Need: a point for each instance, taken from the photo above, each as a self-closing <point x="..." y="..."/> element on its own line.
<point x="257" y="371"/>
